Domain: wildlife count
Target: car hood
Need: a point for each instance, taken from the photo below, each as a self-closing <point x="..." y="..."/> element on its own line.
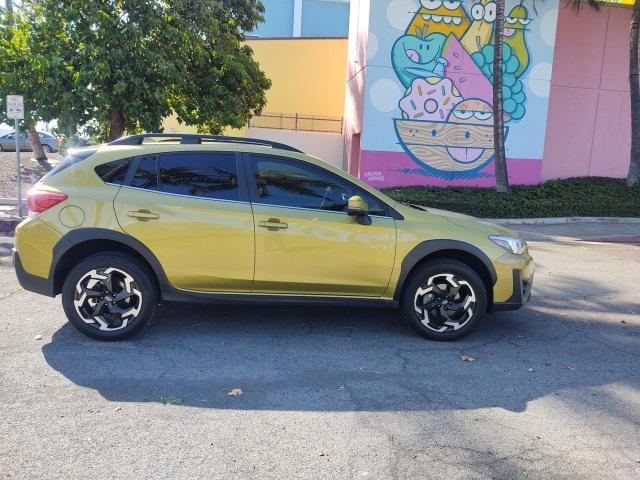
<point x="467" y="221"/>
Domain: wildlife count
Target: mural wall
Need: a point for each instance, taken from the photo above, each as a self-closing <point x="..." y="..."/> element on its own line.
<point x="429" y="87"/>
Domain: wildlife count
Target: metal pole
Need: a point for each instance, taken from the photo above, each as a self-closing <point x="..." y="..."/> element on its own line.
<point x="17" y="134"/>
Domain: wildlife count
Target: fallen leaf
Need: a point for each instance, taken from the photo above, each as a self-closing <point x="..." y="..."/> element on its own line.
<point x="623" y="322"/>
<point x="235" y="392"/>
<point x="466" y="358"/>
<point x="117" y="409"/>
<point x="38" y="337"/>
<point x="530" y="370"/>
<point x="171" y="400"/>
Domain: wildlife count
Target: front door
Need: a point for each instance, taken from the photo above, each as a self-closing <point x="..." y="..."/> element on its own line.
<point x="306" y="244"/>
<point x="191" y="210"/>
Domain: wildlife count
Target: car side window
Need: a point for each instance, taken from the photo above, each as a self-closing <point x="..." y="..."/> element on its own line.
<point x="146" y="175"/>
<point x="292" y="183"/>
<point x="211" y="175"/>
<point x="114" y="172"/>
<point x="206" y="175"/>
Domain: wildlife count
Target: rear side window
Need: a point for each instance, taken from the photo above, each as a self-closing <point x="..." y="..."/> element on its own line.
<point x="114" y="172"/>
<point x="147" y="174"/>
<point x="203" y="175"/>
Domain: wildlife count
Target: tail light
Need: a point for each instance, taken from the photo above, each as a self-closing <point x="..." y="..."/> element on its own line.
<point x="40" y="200"/>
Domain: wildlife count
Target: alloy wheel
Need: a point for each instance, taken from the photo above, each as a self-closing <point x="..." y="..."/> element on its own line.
<point x="445" y="302"/>
<point x="108" y="299"/>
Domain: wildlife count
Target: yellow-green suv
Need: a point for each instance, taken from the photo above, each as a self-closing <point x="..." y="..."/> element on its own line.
<point x="164" y="217"/>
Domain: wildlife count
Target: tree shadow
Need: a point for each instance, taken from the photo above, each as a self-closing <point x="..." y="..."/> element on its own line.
<point x="344" y="359"/>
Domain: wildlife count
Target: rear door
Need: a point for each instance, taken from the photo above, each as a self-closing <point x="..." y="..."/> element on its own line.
<point x="191" y="210"/>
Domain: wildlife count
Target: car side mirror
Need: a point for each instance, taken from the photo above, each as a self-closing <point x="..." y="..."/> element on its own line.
<point x="357" y="207"/>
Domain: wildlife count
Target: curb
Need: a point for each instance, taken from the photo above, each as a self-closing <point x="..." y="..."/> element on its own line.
<point x="562" y="220"/>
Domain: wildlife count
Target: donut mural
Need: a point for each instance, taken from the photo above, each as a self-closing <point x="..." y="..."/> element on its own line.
<point x="440" y="130"/>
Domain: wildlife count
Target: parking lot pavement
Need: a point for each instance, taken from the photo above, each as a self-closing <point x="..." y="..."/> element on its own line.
<point x="336" y="393"/>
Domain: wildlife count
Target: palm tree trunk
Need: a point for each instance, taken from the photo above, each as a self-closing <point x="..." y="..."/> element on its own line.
<point x="38" y="152"/>
<point x="634" y="88"/>
<point x="116" y="124"/>
<point x="500" y="157"/>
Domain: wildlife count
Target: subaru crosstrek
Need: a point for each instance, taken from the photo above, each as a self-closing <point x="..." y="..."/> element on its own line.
<point x="119" y="228"/>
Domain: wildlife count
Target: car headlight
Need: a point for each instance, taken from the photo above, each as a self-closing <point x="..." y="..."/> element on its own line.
<point x="510" y="244"/>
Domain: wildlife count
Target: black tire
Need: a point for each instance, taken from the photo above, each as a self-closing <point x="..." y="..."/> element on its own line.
<point x="437" y="304"/>
<point x="47" y="148"/>
<point x="88" y="282"/>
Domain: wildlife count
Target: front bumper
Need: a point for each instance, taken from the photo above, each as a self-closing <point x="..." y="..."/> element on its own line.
<point x="522" y="284"/>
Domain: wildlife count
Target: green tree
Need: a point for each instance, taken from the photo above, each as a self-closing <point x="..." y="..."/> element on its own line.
<point x="35" y="69"/>
<point x="140" y="60"/>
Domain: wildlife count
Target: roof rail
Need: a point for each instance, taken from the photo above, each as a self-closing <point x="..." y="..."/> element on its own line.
<point x="194" y="138"/>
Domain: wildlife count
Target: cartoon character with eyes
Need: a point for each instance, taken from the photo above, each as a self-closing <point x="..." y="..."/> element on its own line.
<point x="415" y="57"/>
<point x="468" y="113"/>
<point x="480" y="31"/>
<point x="439" y="16"/>
<point x="514" y="27"/>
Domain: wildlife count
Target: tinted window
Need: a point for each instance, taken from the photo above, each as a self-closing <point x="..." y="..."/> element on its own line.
<point x="206" y="175"/>
<point x="147" y="175"/>
<point x="113" y="172"/>
<point x="294" y="184"/>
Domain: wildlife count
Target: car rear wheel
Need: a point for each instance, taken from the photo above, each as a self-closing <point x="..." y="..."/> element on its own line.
<point x="109" y="296"/>
<point x="47" y="148"/>
<point x="443" y="300"/>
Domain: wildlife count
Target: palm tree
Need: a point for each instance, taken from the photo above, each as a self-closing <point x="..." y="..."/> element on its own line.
<point x="500" y="157"/>
<point x="634" y="87"/>
<point x="633" y="177"/>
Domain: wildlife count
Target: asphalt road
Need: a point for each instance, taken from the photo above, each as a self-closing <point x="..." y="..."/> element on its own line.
<point x="335" y="393"/>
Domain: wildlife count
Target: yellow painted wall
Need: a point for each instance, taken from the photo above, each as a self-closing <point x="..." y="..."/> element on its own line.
<point x="307" y="76"/>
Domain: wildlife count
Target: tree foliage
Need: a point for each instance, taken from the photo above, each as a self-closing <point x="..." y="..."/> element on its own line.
<point x="127" y="64"/>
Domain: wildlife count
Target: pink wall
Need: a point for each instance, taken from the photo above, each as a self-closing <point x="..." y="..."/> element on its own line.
<point x="588" y="129"/>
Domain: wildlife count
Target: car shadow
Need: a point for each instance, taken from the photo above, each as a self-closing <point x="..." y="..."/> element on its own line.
<point x="346" y="359"/>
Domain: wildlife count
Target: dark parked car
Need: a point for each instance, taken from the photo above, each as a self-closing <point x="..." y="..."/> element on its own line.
<point x="50" y="142"/>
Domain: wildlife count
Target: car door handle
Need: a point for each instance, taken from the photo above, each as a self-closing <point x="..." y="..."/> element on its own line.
<point x="273" y="224"/>
<point x="143" y="214"/>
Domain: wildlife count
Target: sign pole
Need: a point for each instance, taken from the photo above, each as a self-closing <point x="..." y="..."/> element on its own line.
<point x="15" y="110"/>
<point x="17" y="135"/>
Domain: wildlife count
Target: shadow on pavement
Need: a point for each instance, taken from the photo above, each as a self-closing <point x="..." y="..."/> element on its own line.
<point x="339" y="359"/>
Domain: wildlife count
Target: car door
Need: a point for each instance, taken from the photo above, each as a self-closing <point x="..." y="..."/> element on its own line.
<point x="25" y="143"/>
<point x="8" y="142"/>
<point x="192" y="210"/>
<point x="306" y="243"/>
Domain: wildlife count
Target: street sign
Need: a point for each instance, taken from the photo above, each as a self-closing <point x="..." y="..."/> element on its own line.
<point x="15" y="107"/>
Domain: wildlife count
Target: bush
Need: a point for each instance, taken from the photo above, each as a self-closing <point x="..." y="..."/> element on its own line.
<point x="587" y="196"/>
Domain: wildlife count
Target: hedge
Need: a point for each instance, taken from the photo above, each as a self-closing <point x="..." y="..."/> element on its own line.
<point x="588" y="196"/>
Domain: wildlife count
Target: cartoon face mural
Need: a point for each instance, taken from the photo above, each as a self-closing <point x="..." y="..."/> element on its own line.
<point x="514" y="28"/>
<point x="447" y="115"/>
<point x="427" y="103"/>
<point x="415" y="57"/>
<point x="439" y="16"/>
<point x="480" y="31"/>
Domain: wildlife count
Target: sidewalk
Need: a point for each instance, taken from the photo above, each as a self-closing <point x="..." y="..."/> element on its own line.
<point x="593" y="232"/>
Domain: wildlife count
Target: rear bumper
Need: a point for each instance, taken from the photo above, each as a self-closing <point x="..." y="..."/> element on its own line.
<point x="522" y="284"/>
<point x="33" y="283"/>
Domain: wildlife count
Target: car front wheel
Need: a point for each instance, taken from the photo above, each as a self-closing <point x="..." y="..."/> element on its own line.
<point x="109" y="296"/>
<point x="443" y="300"/>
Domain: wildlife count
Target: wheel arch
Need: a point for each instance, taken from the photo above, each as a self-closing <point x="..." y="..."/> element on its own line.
<point x="453" y="249"/>
<point x="80" y="243"/>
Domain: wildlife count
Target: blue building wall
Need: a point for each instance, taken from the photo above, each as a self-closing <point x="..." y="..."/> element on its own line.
<point x="319" y="18"/>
